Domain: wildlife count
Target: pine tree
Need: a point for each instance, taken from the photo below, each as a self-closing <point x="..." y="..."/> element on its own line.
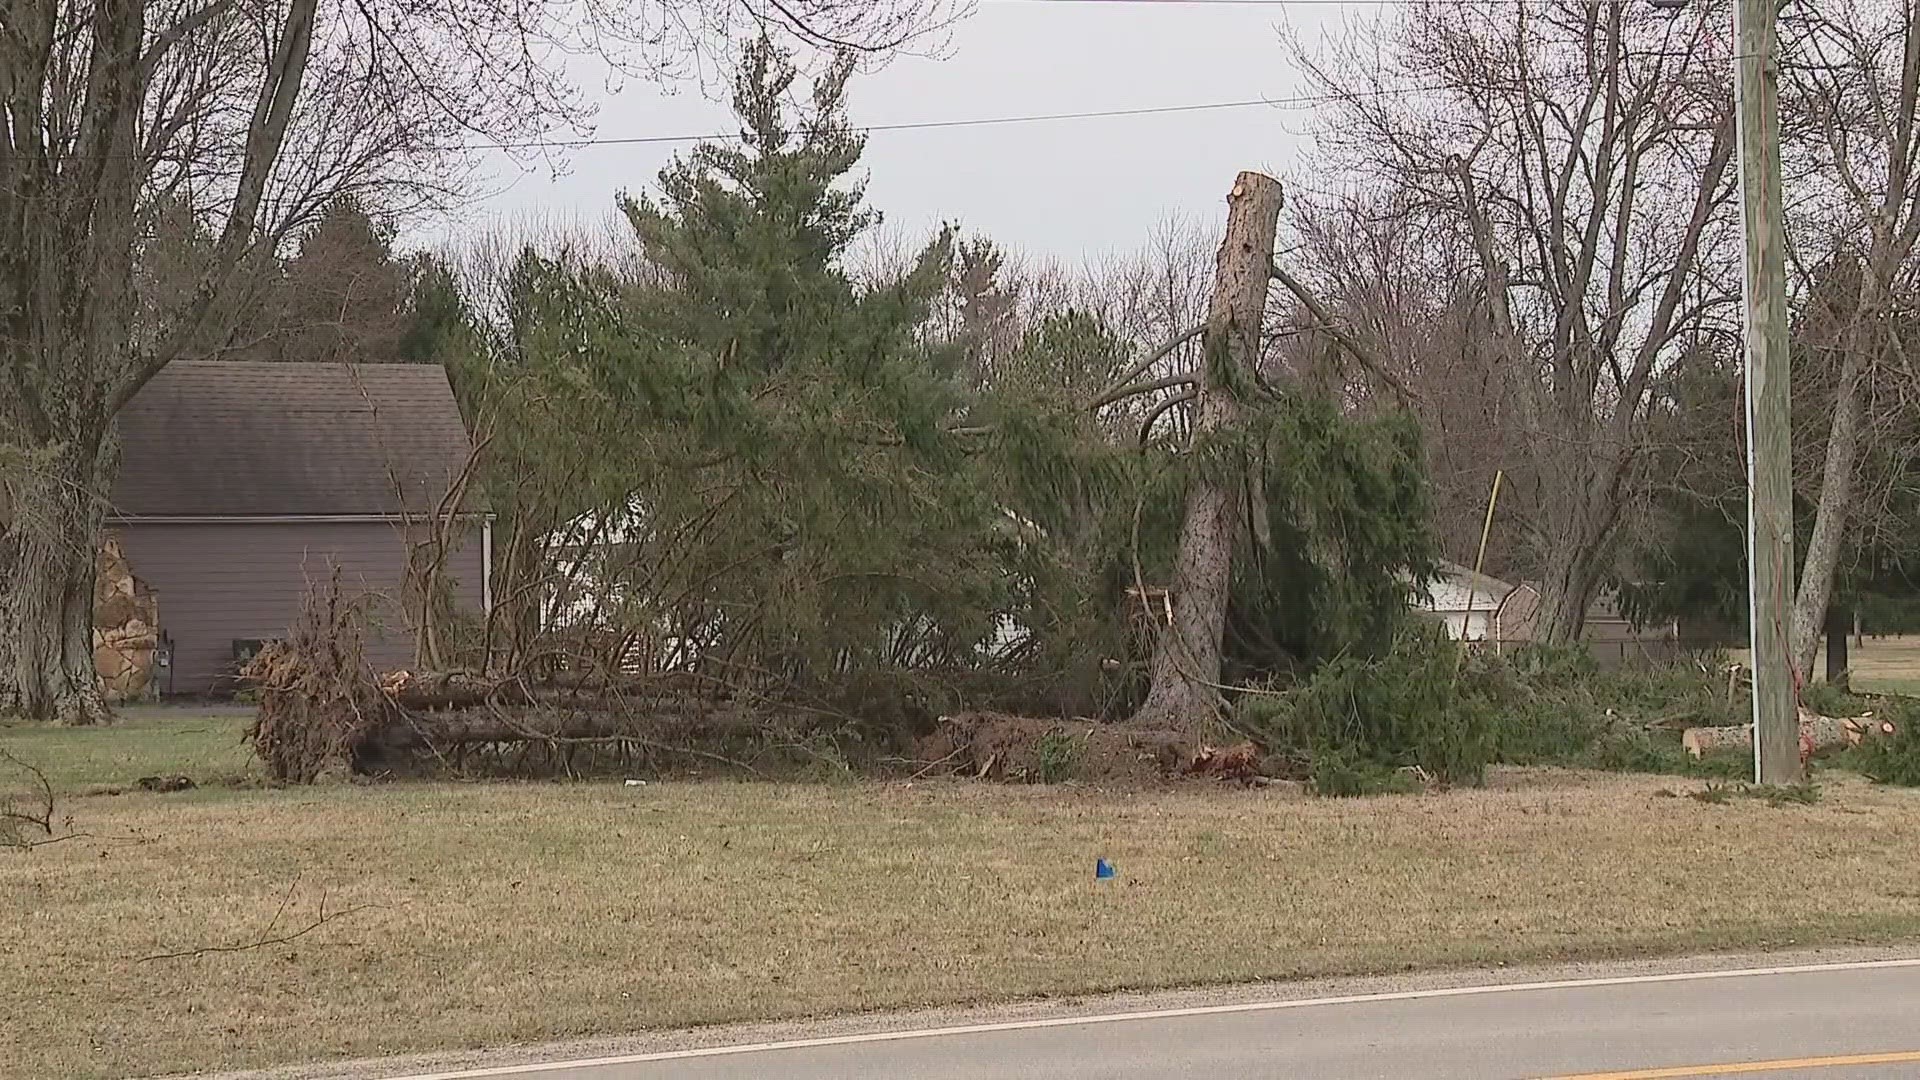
<point x="342" y="297"/>
<point x="809" y="513"/>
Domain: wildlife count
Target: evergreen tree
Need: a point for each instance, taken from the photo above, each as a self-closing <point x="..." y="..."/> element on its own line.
<point x="342" y="297"/>
<point x="437" y="321"/>
<point x="808" y="513"/>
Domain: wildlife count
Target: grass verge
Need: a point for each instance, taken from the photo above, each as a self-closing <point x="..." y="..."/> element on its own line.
<point x="504" y="913"/>
<point x="206" y="746"/>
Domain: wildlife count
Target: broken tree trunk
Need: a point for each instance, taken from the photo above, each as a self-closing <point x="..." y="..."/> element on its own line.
<point x="1186" y="659"/>
<point x="1816" y="733"/>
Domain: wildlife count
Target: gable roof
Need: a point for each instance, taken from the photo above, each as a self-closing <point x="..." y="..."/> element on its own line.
<point x="1467" y="578"/>
<point x="240" y="439"/>
<point x="1455" y="588"/>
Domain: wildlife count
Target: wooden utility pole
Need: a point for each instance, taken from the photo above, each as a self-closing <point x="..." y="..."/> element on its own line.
<point x="1186" y="660"/>
<point x="1776" y="719"/>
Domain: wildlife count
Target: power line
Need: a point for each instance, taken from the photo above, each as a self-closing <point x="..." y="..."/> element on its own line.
<point x="934" y="125"/>
<point x="1297" y="101"/>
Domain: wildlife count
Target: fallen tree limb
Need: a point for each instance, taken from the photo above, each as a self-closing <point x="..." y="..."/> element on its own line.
<point x="321" y="919"/>
<point x="325" y="711"/>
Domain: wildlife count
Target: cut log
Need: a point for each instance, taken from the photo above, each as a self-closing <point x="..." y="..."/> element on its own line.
<point x="1816" y="733"/>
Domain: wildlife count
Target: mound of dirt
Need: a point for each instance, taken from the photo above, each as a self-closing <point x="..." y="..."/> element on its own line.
<point x="1027" y="749"/>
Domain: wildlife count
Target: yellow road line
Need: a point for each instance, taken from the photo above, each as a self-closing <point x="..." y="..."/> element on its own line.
<point x="1743" y="1067"/>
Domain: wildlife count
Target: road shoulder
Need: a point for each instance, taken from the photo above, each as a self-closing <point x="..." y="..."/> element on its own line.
<point x="1065" y="1008"/>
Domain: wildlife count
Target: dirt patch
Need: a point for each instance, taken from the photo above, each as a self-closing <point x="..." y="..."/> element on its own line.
<point x="997" y="746"/>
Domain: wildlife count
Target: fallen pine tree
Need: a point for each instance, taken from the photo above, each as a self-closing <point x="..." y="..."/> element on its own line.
<point x="466" y="690"/>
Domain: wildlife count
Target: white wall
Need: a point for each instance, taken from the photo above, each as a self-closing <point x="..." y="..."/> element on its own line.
<point x="1465" y="613"/>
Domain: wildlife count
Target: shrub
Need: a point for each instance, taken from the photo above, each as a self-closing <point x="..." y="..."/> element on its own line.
<point x="1058" y="751"/>
<point x="1358" y="717"/>
<point x="1890" y="759"/>
<point x="1342" y="774"/>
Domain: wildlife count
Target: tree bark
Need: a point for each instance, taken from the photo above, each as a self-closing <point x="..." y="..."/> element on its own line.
<point x="69" y="228"/>
<point x="1186" y="659"/>
<point x="1572" y="578"/>
<point x="46" y="593"/>
<point x="1817" y="733"/>
<point x="1827" y="540"/>
<point x="1839" y="625"/>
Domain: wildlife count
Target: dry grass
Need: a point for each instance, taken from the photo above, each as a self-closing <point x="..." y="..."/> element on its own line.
<point x="510" y="913"/>
<point x="1887" y="665"/>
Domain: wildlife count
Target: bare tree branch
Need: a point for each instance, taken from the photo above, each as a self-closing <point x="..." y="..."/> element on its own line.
<point x="1324" y="320"/>
<point x="321" y="918"/>
<point x="1116" y="390"/>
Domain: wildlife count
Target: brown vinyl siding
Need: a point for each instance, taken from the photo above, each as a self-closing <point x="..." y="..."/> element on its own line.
<point x="220" y="581"/>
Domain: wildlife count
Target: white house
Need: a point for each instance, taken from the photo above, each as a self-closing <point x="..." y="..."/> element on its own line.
<point x="1475" y="607"/>
<point x="1465" y="602"/>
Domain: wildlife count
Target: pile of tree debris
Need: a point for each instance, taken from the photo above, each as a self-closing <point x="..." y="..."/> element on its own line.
<point x="323" y="710"/>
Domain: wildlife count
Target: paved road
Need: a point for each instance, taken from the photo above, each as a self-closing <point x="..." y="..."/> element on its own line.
<point x="1846" y="1022"/>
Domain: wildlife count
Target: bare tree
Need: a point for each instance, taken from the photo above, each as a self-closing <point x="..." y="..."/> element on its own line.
<point x="1405" y="296"/>
<point x="1576" y="155"/>
<point x="1853" y="85"/>
<point x="257" y="114"/>
<point x="1156" y="300"/>
<point x="1149" y="295"/>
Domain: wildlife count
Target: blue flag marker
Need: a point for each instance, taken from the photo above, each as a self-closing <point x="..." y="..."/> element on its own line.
<point x="1102" y="869"/>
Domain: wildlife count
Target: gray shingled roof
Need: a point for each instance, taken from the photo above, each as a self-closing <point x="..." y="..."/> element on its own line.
<point x="1473" y="579"/>
<point x="221" y="438"/>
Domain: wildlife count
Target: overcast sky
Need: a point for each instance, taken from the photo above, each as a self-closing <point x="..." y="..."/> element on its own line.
<point x="1068" y="189"/>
